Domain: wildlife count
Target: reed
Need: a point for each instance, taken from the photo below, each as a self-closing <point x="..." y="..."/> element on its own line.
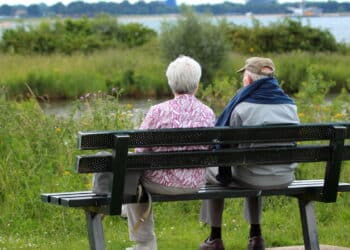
<point x="140" y="72"/>
<point x="38" y="154"/>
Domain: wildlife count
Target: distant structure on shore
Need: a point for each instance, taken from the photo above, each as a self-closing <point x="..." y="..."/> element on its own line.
<point x="171" y="3"/>
<point x="154" y="7"/>
<point x="305" y="11"/>
<point x="261" y="1"/>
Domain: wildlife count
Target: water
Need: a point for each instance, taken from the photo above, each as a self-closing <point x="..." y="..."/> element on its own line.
<point x="63" y="109"/>
<point x="337" y="25"/>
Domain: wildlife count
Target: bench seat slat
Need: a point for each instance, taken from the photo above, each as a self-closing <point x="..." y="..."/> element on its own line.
<point x="46" y="197"/>
<point x="57" y="199"/>
<point x="86" y="199"/>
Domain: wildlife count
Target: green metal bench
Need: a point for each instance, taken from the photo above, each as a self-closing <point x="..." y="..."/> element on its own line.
<point x="314" y="143"/>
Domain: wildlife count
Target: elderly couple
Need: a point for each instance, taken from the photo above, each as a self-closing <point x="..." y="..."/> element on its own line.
<point x="259" y="101"/>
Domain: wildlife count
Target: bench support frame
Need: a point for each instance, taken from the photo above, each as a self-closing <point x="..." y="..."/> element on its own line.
<point x="121" y="163"/>
<point x="95" y="230"/>
<point x="309" y="225"/>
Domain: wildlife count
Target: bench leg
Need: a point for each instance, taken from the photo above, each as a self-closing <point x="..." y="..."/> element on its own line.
<point x="308" y="220"/>
<point x="95" y="230"/>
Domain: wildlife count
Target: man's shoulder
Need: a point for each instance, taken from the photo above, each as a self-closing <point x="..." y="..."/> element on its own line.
<point x="252" y="105"/>
<point x="253" y="113"/>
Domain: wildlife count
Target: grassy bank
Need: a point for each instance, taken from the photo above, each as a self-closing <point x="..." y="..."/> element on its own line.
<point x="140" y="72"/>
<point x="38" y="154"/>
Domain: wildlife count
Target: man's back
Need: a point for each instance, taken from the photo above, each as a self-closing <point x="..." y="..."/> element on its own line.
<point x="252" y="114"/>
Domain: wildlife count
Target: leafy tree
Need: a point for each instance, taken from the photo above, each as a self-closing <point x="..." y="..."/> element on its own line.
<point x="34" y="10"/>
<point x="58" y="8"/>
<point x="6" y="10"/>
<point x="198" y="37"/>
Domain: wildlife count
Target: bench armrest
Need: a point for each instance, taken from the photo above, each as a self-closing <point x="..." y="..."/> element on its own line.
<point x="330" y="189"/>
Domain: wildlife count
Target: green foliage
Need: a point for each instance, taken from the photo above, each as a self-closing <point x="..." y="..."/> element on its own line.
<point x="135" y="34"/>
<point x="138" y="71"/>
<point x="195" y="36"/>
<point x="314" y="100"/>
<point x="292" y="68"/>
<point x="282" y="36"/>
<point x="219" y="93"/>
<point x="38" y="153"/>
<point x="72" y="35"/>
<point x="314" y="103"/>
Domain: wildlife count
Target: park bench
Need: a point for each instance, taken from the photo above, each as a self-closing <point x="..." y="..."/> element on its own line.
<point x="313" y="143"/>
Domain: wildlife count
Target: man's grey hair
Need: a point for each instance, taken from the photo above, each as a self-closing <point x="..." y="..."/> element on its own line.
<point x="254" y="76"/>
<point x="183" y="75"/>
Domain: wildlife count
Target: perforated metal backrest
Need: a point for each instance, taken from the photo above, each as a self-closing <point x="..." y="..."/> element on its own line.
<point x="119" y="161"/>
<point x="171" y="137"/>
<point x="209" y="136"/>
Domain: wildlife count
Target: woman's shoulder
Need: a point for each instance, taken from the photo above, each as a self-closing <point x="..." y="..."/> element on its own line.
<point x="205" y="106"/>
<point x="159" y="106"/>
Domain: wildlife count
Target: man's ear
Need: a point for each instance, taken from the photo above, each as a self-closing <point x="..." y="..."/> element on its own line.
<point x="267" y="71"/>
<point x="250" y="79"/>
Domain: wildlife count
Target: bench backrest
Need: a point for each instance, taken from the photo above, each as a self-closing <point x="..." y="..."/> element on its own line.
<point x="121" y="159"/>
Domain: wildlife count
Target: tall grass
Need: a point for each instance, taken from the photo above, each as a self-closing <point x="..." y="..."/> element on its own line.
<point x="137" y="71"/>
<point x="140" y="72"/>
<point x="38" y="154"/>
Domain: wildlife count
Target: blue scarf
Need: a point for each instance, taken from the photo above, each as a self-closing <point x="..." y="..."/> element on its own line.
<point x="263" y="91"/>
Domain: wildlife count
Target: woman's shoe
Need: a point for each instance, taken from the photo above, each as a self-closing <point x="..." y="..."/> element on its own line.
<point x="256" y="243"/>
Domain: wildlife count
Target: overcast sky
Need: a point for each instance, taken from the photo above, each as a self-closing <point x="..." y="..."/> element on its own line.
<point x="190" y="2"/>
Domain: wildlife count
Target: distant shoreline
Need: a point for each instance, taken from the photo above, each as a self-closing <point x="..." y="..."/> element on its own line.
<point x="167" y="16"/>
<point x="173" y="16"/>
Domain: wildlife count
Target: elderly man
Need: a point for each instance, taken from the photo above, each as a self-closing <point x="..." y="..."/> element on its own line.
<point x="260" y="102"/>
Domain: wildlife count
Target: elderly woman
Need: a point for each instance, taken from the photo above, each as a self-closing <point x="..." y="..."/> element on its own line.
<point x="183" y="111"/>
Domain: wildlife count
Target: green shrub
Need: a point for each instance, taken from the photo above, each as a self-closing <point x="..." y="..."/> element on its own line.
<point x="282" y="36"/>
<point x="195" y="36"/>
<point x="314" y="104"/>
<point x="135" y="34"/>
<point x="71" y="35"/>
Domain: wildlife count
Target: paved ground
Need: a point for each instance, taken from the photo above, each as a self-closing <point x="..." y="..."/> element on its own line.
<point x="323" y="247"/>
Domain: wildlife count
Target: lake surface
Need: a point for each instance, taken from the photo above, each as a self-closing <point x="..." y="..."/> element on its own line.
<point x="64" y="109"/>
